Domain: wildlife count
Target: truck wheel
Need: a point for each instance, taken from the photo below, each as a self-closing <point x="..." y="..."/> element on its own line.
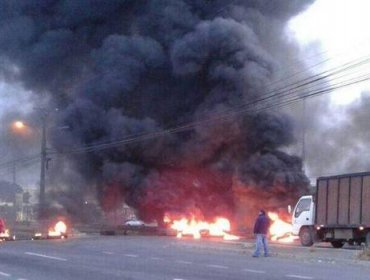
<point x="305" y="236"/>
<point x="337" y="243"/>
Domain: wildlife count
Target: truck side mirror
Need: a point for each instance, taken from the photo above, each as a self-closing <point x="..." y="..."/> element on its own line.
<point x="290" y="209"/>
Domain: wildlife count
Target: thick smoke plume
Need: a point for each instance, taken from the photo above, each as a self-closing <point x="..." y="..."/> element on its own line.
<point x="346" y="135"/>
<point x="120" y="68"/>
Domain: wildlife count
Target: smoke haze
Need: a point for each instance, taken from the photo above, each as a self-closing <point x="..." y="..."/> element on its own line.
<point x="120" y="68"/>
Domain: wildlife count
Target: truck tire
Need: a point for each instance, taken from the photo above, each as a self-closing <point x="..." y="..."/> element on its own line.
<point x="306" y="237"/>
<point x="337" y="243"/>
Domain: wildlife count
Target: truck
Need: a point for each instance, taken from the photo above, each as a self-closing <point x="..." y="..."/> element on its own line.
<point x="338" y="212"/>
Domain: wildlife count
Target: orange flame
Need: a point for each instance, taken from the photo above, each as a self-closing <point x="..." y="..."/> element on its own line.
<point x="279" y="230"/>
<point x="59" y="229"/>
<point x="184" y="226"/>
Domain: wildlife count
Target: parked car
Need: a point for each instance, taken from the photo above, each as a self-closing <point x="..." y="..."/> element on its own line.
<point x="134" y="223"/>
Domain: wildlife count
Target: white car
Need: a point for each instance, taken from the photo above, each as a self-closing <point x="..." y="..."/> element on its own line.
<point x="134" y="223"/>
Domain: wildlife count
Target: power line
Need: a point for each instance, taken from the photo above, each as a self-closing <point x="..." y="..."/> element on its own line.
<point x="191" y="126"/>
<point x="291" y="92"/>
<point x="284" y="92"/>
<point x="20" y="166"/>
<point x="17" y="161"/>
<point x="288" y="89"/>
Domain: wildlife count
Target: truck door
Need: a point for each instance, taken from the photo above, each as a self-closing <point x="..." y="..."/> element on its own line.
<point x="303" y="214"/>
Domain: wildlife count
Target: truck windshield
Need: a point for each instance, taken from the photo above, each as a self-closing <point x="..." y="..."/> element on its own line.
<point x="303" y="205"/>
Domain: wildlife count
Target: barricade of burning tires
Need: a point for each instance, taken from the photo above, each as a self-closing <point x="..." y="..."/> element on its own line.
<point x="57" y="230"/>
<point x="7" y="236"/>
<point x="46" y="229"/>
<point x="219" y="228"/>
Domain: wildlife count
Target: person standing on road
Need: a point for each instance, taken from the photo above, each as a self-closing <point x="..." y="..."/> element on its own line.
<point x="261" y="228"/>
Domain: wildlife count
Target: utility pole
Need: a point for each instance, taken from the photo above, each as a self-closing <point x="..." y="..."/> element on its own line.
<point x="43" y="164"/>
<point x="44" y="113"/>
<point x="304" y="133"/>
<point x="14" y="172"/>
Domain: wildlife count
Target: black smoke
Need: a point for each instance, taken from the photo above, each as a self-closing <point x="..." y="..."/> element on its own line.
<point x="123" y="68"/>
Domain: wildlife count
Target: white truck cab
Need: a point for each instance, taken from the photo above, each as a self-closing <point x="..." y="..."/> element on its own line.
<point x="303" y="218"/>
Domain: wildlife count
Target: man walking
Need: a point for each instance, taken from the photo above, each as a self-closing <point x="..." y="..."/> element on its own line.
<point x="261" y="228"/>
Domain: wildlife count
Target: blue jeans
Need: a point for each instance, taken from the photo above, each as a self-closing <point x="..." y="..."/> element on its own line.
<point x="261" y="240"/>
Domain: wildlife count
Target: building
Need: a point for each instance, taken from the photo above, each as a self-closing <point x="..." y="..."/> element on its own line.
<point x="15" y="203"/>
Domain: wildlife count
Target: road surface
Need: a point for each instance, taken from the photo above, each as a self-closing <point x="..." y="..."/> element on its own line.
<point x="155" y="258"/>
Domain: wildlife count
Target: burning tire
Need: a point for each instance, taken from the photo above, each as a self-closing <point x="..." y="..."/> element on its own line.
<point x="305" y="236"/>
<point x="6" y="236"/>
<point x="57" y="231"/>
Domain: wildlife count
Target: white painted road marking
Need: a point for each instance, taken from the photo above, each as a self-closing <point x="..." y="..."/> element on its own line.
<point x="299" y="276"/>
<point x="45" y="256"/>
<point x="254" y="271"/>
<point x="183" y="262"/>
<point x="217" y="266"/>
<point x="131" y="256"/>
<point x="108" y="253"/>
<point x="5" y="274"/>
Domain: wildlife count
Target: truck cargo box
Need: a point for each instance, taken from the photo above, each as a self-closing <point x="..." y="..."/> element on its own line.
<point x="343" y="201"/>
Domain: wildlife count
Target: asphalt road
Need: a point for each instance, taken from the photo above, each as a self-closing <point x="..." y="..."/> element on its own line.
<point x="155" y="258"/>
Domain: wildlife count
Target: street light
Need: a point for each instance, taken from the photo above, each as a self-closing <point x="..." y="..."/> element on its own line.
<point x="22" y="127"/>
<point x="19" y="125"/>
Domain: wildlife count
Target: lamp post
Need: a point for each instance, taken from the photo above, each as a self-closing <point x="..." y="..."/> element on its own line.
<point x="21" y="126"/>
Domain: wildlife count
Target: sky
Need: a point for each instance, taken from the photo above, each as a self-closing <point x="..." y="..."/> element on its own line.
<point x="336" y="32"/>
<point x="340" y="32"/>
<point x="14" y="96"/>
